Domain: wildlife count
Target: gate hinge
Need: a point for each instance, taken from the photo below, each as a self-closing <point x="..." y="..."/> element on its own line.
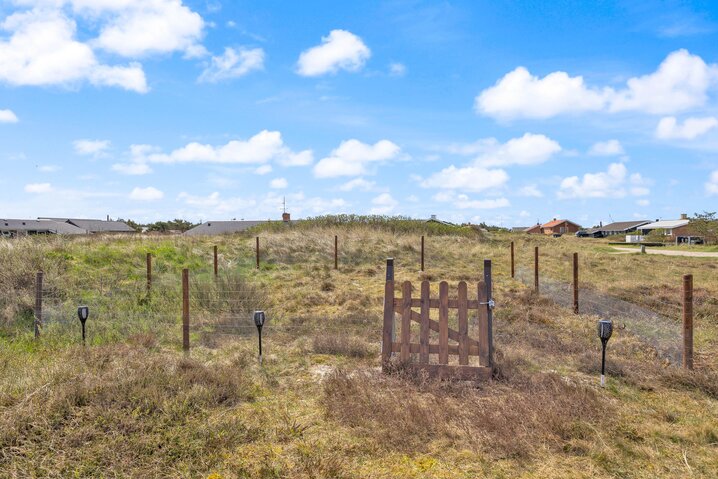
<point x="491" y="303"/>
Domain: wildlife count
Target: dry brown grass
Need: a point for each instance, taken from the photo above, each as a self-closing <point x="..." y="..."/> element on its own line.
<point x="344" y="345"/>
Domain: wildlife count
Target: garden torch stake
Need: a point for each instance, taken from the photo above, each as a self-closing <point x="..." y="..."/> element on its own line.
<point x="259" y="322"/>
<point x="605" y="329"/>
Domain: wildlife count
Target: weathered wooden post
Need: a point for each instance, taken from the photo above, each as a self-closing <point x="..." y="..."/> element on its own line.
<point x="688" y="321"/>
<point x="38" y="303"/>
<point x="257" y="251"/>
<point x="215" y="261"/>
<point x="388" y="329"/>
<point x="536" y="269"/>
<point x="336" y="252"/>
<point x="422" y="253"/>
<point x="185" y="310"/>
<point x="512" y="260"/>
<point x="490" y="311"/>
<point x="575" y="283"/>
<point x="148" y="260"/>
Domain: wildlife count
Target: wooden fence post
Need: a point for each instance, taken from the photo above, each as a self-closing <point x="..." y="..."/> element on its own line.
<point x="257" y="251"/>
<point x="422" y="253"/>
<point x="38" y="303"/>
<point x="405" y="321"/>
<point x="536" y="269"/>
<point x="149" y="273"/>
<point x="215" y="261"/>
<point x="490" y="311"/>
<point x="336" y="252"/>
<point x="688" y="321"/>
<point x="387" y="331"/>
<point x="443" y="322"/>
<point x="575" y="283"/>
<point x="463" y="306"/>
<point x="425" y="326"/>
<point x="185" y="310"/>
<point x="512" y="260"/>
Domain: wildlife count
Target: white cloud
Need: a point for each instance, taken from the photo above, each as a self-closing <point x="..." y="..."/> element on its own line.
<point x="397" y="69"/>
<point x="383" y="204"/>
<point x="643" y="202"/>
<point x="146" y="194"/>
<point x="681" y="82"/>
<point x="137" y="28"/>
<point x="352" y="158"/>
<point x="215" y="206"/>
<point x="49" y="168"/>
<point x="358" y="184"/>
<point x="669" y="128"/>
<point x="530" y="149"/>
<point x="606" y="148"/>
<point x="263" y="169"/>
<point x="278" y="183"/>
<point x="340" y="50"/>
<point x="613" y="183"/>
<point x="463" y="202"/>
<point x="90" y="147"/>
<point x="262" y="148"/>
<point x="38" y="188"/>
<point x="8" y="116"/>
<point x="470" y="178"/>
<point x="531" y="191"/>
<point x="42" y="50"/>
<point x="712" y="184"/>
<point x="233" y="64"/>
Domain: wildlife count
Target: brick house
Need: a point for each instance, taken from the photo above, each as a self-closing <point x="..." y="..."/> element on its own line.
<point x="559" y="227"/>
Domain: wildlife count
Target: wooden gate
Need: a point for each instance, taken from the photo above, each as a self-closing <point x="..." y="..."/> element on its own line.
<point x="418" y="355"/>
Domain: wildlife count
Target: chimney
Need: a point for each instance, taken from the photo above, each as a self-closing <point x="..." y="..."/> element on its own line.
<point x="108" y="217"/>
<point x="433" y="217"/>
<point x="285" y="217"/>
<point x="684" y="216"/>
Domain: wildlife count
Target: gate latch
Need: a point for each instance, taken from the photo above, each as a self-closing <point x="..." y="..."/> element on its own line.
<point x="491" y="303"/>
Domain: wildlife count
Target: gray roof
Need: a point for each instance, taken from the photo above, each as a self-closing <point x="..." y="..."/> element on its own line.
<point x="97" y="226"/>
<point x="41" y="226"/>
<point x="620" y="226"/>
<point x="223" y="227"/>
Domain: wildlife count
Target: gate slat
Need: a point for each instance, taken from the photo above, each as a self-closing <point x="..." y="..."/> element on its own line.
<point x="483" y="325"/>
<point x="406" y="321"/>
<point x="443" y="322"/>
<point x="424" y="331"/>
<point x="463" y="325"/>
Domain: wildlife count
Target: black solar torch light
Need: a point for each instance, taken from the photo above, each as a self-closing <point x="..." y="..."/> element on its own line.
<point x="82" y="313"/>
<point x="259" y="322"/>
<point x="605" y="329"/>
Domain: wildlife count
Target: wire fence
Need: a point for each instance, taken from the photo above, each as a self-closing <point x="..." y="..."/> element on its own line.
<point x="654" y="329"/>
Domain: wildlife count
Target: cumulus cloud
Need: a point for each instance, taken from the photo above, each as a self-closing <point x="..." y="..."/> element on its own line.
<point x="712" y="184"/>
<point x="529" y="149"/>
<point x="8" y="116"/>
<point x="42" y="50"/>
<point x="38" y="188"/>
<point x="470" y="178"/>
<point x="90" y="147"/>
<point x="383" y="204"/>
<point x="146" y="194"/>
<point x="669" y="128"/>
<point x="606" y="148"/>
<point x="613" y="183"/>
<point x="353" y="157"/>
<point x="233" y="63"/>
<point x="278" y="183"/>
<point x="340" y="50"/>
<point x="397" y="69"/>
<point x="681" y="82"/>
<point x="262" y="148"/>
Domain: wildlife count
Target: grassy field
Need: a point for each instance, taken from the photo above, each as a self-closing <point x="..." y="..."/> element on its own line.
<point x="131" y="404"/>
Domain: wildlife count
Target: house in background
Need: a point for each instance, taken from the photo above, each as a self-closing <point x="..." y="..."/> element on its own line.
<point x="675" y="231"/>
<point x="14" y="228"/>
<point x="533" y="230"/>
<point x="559" y="227"/>
<point x="97" y="226"/>
<point x="616" y="228"/>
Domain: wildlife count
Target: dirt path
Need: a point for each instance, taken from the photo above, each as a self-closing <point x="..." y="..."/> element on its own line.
<point x="668" y="252"/>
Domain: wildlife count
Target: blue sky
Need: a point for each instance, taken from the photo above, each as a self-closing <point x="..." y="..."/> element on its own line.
<point x="504" y="112"/>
